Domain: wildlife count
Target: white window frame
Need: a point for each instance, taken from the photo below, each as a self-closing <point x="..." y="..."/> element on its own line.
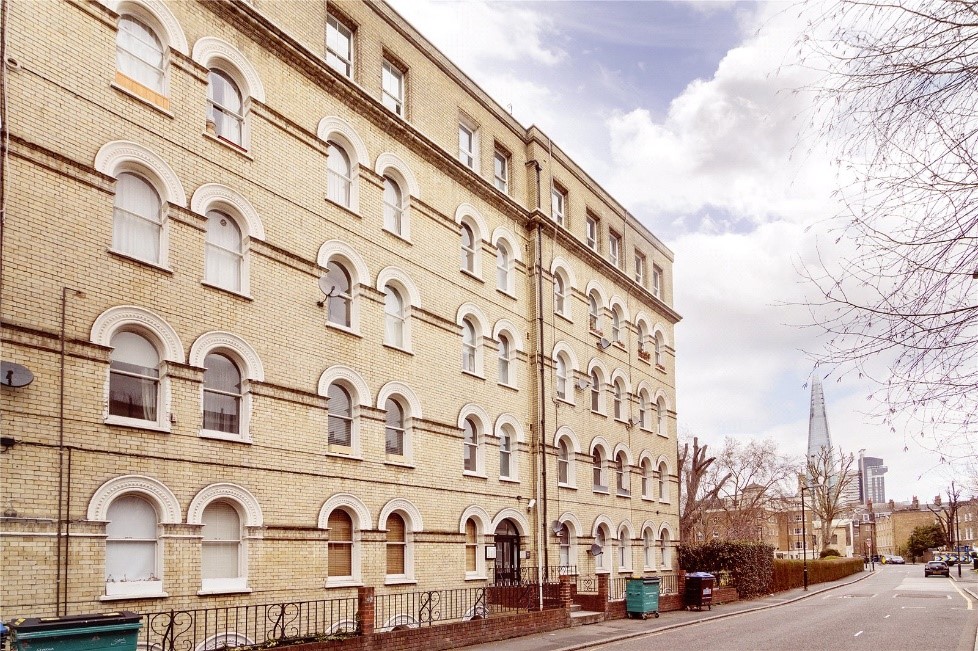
<point x="505" y="359"/>
<point x="240" y="257"/>
<point x="640" y="268"/>
<point x="558" y="205"/>
<point x="663" y="487"/>
<point x="657" y="281"/>
<point x="393" y="74"/>
<point x="591" y="232"/>
<point x="623" y="484"/>
<point x="468" y="152"/>
<point x="339" y="61"/>
<point x="614" y="249"/>
<point x="238" y="583"/>
<point x="599" y="470"/>
<point x="475" y="447"/>
<point x="500" y="170"/>
<point x="648" y="479"/>
<point x="152" y="586"/>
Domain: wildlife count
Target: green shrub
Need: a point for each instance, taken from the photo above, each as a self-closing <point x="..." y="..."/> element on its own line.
<point x="825" y="553"/>
<point x="749" y="563"/>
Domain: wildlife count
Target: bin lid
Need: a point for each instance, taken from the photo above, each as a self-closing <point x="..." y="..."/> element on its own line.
<point x="700" y="575"/>
<point x="26" y="624"/>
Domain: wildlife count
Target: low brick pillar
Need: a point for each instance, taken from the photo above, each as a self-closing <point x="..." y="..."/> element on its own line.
<point x="565" y="595"/>
<point x="603" y="580"/>
<point x="365" y="614"/>
<point x="681" y="582"/>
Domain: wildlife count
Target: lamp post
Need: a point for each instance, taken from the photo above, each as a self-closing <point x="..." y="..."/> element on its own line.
<point x="804" y="540"/>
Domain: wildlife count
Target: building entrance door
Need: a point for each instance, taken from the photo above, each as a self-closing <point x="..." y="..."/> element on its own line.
<point x="507" y="568"/>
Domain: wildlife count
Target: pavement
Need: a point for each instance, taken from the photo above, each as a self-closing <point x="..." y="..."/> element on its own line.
<point x="584" y="637"/>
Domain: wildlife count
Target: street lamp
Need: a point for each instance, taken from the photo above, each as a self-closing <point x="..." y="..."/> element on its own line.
<point x="804" y="539"/>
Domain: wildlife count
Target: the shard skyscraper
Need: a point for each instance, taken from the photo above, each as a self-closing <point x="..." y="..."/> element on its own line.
<point x="818" y="423"/>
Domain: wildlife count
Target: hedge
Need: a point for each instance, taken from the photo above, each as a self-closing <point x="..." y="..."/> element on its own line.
<point x="790" y="573"/>
<point x="748" y="562"/>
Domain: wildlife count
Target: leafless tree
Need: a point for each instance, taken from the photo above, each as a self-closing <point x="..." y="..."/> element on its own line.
<point x="747" y="481"/>
<point x="901" y="307"/>
<point x="947" y="514"/>
<point x="828" y="475"/>
<point x="693" y="495"/>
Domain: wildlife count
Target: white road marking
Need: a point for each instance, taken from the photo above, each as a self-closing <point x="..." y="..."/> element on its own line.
<point x="886" y="617"/>
<point x="858" y="634"/>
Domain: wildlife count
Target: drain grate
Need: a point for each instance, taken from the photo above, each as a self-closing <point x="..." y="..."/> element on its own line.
<point x="922" y="595"/>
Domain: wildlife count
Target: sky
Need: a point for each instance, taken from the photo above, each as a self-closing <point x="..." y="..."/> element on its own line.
<point x="690" y="114"/>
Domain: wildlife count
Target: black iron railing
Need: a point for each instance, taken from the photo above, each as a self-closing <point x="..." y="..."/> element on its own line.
<point x="617" y="587"/>
<point x="550" y="574"/>
<point x="587" y="583"/>
<point x="237" y="626"/>
<point x="669" y="584"/>
<point x="413" y="609"/>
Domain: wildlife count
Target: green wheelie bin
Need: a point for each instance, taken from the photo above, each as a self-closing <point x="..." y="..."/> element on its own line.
<point x="642" y="597"/>
<point x="117" y="631"/>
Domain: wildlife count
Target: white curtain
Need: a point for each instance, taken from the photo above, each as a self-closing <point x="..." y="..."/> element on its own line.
<point x="338" y="173"/>
<point x="137" y="223"/>
<point x="139" y="54"/>
<point x="224" y="258"/>
<point x="220" y="547"/>
<point x="130" y="546"/>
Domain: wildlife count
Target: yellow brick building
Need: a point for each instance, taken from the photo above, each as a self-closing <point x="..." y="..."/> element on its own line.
<point x="307" y="310"/>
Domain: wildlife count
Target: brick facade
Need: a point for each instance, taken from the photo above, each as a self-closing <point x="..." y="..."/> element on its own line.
<point x="82" y="268"/>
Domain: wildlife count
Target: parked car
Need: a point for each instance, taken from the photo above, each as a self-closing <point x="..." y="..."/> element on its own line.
<point x="896" y="560"/>
<point x="937" y="568"/>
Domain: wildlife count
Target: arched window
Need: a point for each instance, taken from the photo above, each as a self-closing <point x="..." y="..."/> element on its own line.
<point x="644" y="421"/>
<point x="137" y="224"/>
<point x="393" y="206"/>
<point x="665" y="549"/>
<point x="505" y="360"/>
<point x="339" y="173"/>
<point x="663" y="482"/>
<point x="224" y="257"/>
<point x="561" y="370"/>
<point x="601" y="540"/>
<point x="134" y="377"/>
<point x="658" y="349"/>
<point x="648" y="548"/>
<point x="469" y="347"/>
<point x="564" y="545"/>
<point x="599" y="471"/>
<point x="394" y="318"/>
<point x="643" y="337"/>
<point x="660" y="410"/>
<point x="596" y="405"/>
<point x="504" y="267"/>
<point x="220" y="552"/>
<point x="394" y="432"/>
<point x="593" y="313"/>
<point x="132" y="559"/>
<point x="621" y="474"/>
<point x="396" y="545"/>
<point x="339" y="304"/>
<point x="468" y="248"/>
<point x="471" y="547"/>
<point x="340" y="546"/>
<point x="560" y="294"/>
<point x="563" y="462"/>
<point x="222" y="394"/>
<point x="506" y="469"/>
<point x="616" y="325"/>
<point x="340" y="418"/>
<point x="225" y="107"/>
<point x="646" y="466"/>
<point x="624" y="550"/>
<point x="472" y="443"/>
<point x="140" y="55"/>
<point x="619" y="397"/>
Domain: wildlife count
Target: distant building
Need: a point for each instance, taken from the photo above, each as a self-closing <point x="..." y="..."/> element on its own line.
<point x="872" y="484"/>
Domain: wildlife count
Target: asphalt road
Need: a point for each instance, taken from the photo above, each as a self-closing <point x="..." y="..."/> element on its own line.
<point x="895" y="609"/>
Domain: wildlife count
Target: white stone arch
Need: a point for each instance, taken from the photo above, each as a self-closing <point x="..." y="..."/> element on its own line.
<point x="172" y="35"/>
<point x="473" y="311"/>
<point x="619" y="374"/>
<point x="415" y="522"/>
<point x="389" y="164"/>
<point x="646" y="455"/>
<point x="247" y="502"/>
<point x="479" y="514"/>
<point x="214" y="196"/>
<point x="658" y="329"/>
<point x="606" y="521"/>
<point x="504" y="325"/>
<point x="663" y="460"/>
<point x="512" y="421"/>
<point x="666" y="528"/>
<point x="568" y="271"/>
<point x="336" y="128"/>
<point x="119" y="156"/>
<point x="506" y="235"/>
<point x="347" y="254"/>
<point x="619" y="302"/>
<point x="563" y="347"/>
<point x="211" y="52"/>
<point x="597" y="365"/>
<point x="126" y="316"/>
<point x="566" y="432"/>
<point x="644" y="385"/>
<point x="595" y="286"/>
<point x="629" y="457"/>
<point x="626" y="525"/>
<point x="402" y="280"/>
<point x="572" y="522"/>
<point x="165" y="502"/>
<point x="467" y="210"/>
<point x="345" y="374"/>
<point x="649" y="525"/>
<point x="395" y="388"/>
<point x="642" y="317"/>
<point x="238" y="347"/>
<point x="599" y="442"/>
<point x="517" y="517"/>
<point x="477" y="412"/>
<point x="349" y="503"/>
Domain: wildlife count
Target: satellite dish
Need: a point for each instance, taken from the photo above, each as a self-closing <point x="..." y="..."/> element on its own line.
<point x="595" y="550"/>
<point x="15" y="375"/>
<point x="326" y="287"/>
<point x="603" y="343"/>
<point x="556" y="526"/>
<point x="583" y="384"/>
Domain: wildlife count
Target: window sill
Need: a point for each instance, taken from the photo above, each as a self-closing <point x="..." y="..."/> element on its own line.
<point x="343" y="455"/>
<point x="403" y="238"/>
<point x="473" y="374"/>
<point x="662" y="501"/>
<point x="507" y="385"/>
<point x="509" y="480"/>
<point x="660" y="368"/>
<point x="474" y="474"/>
<point x="565" y="401"/>
<point x="571" y="487"/>
<point x="400" y="349"/>
<point x="240" y="150"/>
<point x="400" y="464"/>
<point x="138" y="595"/>
<point x="602" y="571"/>
<point x="148" y="589"/>
<point x="472" y="576"/>
<point x="400" y="580"/>
<point x="665" y="436"/>
<point x="565" y="317"/>
<point x="352" y="210"/>
<point x="342" y="328"/>
<point x="133" y="89"/>
<point x="152" y="426"/>
<point x="232" y="292"/>
<point x="224" y="436"/>
<point x="146" y="263"/>
<point x="603" y="490"/>
<point x="471" y="274"/>
<point x="342" y="582"/>
<point x="626" y="494"/>
<point x="507" y="293"/>
<point x="222" y="591"/>
<point x="646" y="498"/>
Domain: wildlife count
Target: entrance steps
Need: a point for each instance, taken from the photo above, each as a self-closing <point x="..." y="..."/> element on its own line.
<point x="580" y="617"/>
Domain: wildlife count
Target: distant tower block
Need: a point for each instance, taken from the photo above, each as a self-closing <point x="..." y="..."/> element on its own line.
<point x="818" y="423"/>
